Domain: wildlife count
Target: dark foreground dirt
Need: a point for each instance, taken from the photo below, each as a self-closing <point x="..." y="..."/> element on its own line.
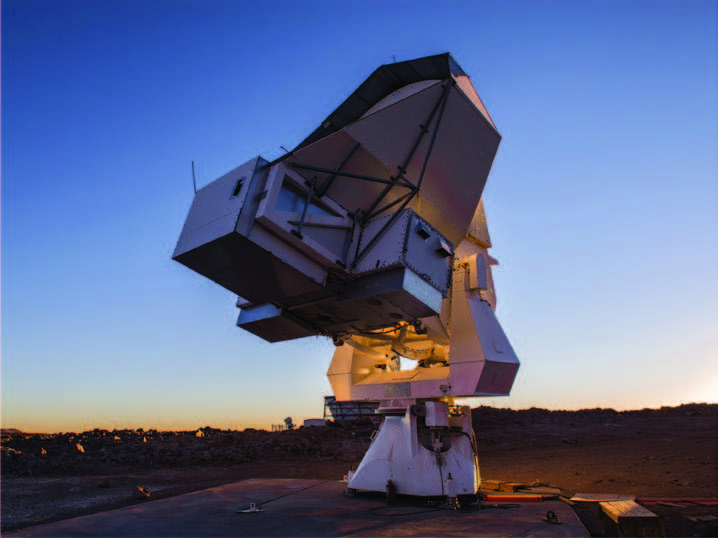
<point x="667" y="453"/>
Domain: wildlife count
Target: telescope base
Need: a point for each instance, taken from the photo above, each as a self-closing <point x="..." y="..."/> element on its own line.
<point x="420" y="459"/>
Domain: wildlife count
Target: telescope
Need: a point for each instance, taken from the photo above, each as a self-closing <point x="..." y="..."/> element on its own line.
<point x="372" y="232"/>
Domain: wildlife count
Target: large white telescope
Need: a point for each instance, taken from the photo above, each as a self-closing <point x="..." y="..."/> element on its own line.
<point x="372" y="232"/>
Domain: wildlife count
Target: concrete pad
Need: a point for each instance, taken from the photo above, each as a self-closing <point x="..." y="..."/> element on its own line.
<point x="295" y="507"/>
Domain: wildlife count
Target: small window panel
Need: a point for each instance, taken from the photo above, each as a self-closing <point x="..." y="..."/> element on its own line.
<point x="238" y="187"/>
<point x="291" y="198"/>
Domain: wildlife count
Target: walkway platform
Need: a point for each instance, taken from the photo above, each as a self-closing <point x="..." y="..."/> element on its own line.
<point x="293" y="507"/>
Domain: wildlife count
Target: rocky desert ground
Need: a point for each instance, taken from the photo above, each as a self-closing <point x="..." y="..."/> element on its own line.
<point x="663" y="456"/>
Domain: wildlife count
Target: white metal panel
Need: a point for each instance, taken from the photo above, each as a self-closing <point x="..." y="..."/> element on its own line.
<point x="495" y="345"/>
<point x="287" y="254"/>
<point x="284" y="223"/>
<point x="351" y="194"/>
<point x="478" y="272"/>
<point x="199" y="235"/>
<point x="466" y="250"/>
<point x="215" y="208"/>
<point x="482" y="359"/>
<point x="422" y="290"/>
<point x="390" y="133"/>
<point x="469" y="91"/>
<point x="271" y="323"/>
<point x="389" y="249"/>
<point x="437" y="414"/>
<point x="397" y="455"/>
<point x="460" y="161"/>
<point x="456" y="173"/>
<point x="479" y="230"/>
<point x="409" y="241"/>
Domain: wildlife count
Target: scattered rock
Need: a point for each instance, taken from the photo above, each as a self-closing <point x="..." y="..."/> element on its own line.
<point x="518" y="445"/>
<point x="507" y="429"/>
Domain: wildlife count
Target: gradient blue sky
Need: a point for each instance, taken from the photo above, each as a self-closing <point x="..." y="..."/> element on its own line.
<point x="602" y="203"/>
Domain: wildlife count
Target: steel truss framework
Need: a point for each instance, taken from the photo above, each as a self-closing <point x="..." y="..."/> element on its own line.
<point x="362" y="218"/>
<point x="350" y="410"/>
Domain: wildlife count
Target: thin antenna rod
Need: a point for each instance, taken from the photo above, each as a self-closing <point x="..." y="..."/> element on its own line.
<point x="194" y="181"/>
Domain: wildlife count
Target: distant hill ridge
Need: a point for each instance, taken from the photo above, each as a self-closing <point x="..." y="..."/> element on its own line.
<point x="484" y="413"/>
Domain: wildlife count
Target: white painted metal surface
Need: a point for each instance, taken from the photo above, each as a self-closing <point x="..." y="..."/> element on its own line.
<point x="372" y="232"/>
<point x="420" y="460"/>
<point x="437" y="414"/>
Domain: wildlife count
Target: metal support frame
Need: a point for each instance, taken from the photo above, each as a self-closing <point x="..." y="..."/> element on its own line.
<point x="300" y="225"/>
<point x="328" y="182"/>
<point x="395" y="215"/>
<point x="312" y="168"/>
<point x="395" y="181"/>
<point x="390" y="205"/>
<point x="402" y="167"/>
<point x="350" y="410"/>
<point x="348" y="241"/>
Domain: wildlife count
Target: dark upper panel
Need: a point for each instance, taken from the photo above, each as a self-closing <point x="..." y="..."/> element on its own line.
<point x="383" y="81"/>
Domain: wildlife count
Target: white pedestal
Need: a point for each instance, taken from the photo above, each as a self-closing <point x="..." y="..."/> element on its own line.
<point x="419" y="459"/>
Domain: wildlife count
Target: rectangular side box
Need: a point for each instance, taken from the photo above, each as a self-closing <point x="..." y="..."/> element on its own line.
<point x="220" y="241"/>
<point x="409" y="241"/>
<point x="272" y="323"/>
<point x="628" y="518"/>
<point x="373" y="302"/>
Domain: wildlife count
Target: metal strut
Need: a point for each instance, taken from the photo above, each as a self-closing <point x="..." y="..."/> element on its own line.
<point x="402" y="167"/>
<point x="330" y="178"/>
<point x="395" y="215"/>
<point x="396" y="181"/>
<point x="298" y="231"/>
<point x="313" y="168"/>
